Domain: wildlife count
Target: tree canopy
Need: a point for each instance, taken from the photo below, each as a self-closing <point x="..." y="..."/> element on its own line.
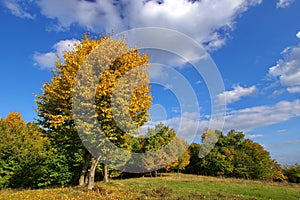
<point x="110" y="105"/>
<point x="235" y="156"/>
<point x="26" y="157"/>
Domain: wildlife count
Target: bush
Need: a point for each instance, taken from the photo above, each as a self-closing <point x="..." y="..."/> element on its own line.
<point x="293" y="173"/>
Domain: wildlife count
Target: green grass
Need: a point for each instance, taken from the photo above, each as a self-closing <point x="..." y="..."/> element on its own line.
<point x="169" y="186"/>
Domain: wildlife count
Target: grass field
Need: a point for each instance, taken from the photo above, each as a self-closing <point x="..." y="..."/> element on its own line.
<point x="169" y="186"/>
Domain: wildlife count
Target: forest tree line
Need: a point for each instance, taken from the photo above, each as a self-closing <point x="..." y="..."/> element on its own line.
<point x="29" y="160"/>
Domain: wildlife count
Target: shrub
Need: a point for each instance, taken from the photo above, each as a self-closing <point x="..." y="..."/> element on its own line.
<point x="293" y="173"/>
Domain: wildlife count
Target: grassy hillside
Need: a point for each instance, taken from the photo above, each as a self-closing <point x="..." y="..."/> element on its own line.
<point x="169" y="186"/>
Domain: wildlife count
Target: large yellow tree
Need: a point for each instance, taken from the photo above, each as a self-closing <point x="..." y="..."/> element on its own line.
<point x="120" y="98"/>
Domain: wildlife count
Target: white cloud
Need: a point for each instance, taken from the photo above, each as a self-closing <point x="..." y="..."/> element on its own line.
<point x="94" y="16"/>
<point x="287" y="70"/>
<point x="47" y="60"/>
<point x="293" y="89"/>
<point x="298" y="35"/>
<point x="44" y="60"/>
<point x="255" y="117"/>
<point x="200" y="19"/>
<point x="187" y="126"/>
<point x="246" y="119"/>
<point x="277" y="92"/>
<point x="284" y="3"/>
<point x="17" y="8"/>
<point x="282" y="131"/>
<point x="254" y="136"/>
<point x="64" y="45"/>
<point x="236" y="94"/>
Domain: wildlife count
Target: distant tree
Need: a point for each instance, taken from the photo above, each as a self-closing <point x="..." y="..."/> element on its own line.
<point x="181" y="162"/>
<point x="235" y="156"/>
<point x="156" y="138"/>
<point x="164" y="140"/>
<point x="293" y="173"/>
<point x="278" y="172"/>
<point x="193" y="166"/>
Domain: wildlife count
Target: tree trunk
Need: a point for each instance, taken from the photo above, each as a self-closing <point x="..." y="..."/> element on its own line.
<point x="105" y="179"/>
<point x="83" y="175"/>
<point x="86" y="180"/>
<point x="91" y="181"/>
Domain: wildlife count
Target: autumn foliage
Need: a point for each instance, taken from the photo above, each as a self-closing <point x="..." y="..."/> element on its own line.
<point x="110" y="60"/>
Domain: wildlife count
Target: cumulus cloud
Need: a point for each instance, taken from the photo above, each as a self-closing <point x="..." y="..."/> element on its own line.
<point x="287" y="70"/>
<point x="44" y="60"/>
<point x="293" y="89"/>
<point x="47" y="60"/>
<point x="236" y="94"/>
<point x="187" y="126"/>
<point x="259" y="116"/>
<point x="284" y="3"/>
<point x="17" y="8"/>
<point x="298" y="35"/>
<point x="200" y="20"/>
<point x="246" y="119"/>
<point x="92" y="15"/>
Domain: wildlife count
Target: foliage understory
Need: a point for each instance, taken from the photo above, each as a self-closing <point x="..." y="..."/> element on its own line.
<point x="168" y="186"/>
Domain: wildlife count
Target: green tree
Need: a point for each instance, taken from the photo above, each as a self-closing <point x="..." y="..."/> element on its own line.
<point x="194" y="165"/>
<point x="161" y="149"/>
<point x="26" y="157"/>
<point x="293" y="173"/>
<point x="155" y="139"/>
<point x="253" y="161"/>
<point x="234" y="156"/>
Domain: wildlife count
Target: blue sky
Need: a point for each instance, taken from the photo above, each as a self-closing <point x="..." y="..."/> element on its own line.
<point x="254" y="44"/>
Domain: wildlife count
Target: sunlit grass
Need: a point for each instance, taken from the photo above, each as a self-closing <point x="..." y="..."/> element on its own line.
<point x="169" y="186"/>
